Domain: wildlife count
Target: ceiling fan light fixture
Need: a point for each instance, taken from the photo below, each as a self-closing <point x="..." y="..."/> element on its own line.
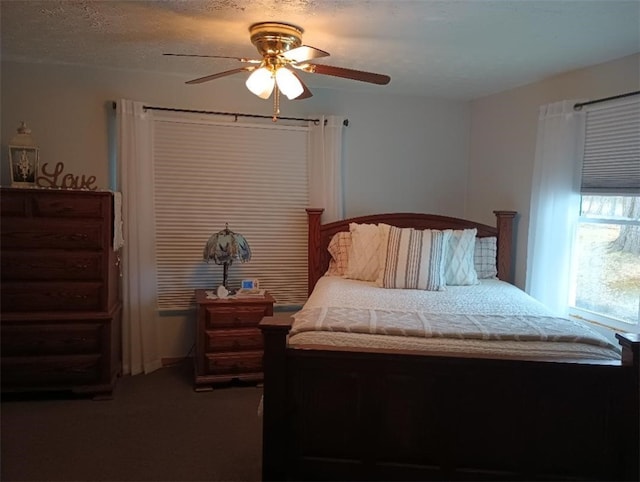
<point x="261" y="82"/>
<point x="288" y="83"/>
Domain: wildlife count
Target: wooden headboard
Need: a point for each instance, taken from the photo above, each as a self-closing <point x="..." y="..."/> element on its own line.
<point x="320" y="235"/>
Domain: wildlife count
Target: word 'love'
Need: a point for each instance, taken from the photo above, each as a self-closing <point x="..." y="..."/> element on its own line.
<point x="67" y="181"/>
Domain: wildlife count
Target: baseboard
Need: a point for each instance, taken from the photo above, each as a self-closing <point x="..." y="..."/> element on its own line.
<point x="174" y="360"/>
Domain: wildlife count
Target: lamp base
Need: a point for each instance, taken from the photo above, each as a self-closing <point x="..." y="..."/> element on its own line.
<point x="222" y="292"/>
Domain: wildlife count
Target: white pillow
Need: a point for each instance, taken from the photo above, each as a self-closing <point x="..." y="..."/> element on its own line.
<point x="485" y="257"/>
<point x="415" y="259"/>
<point x="364" y="252"/>
<point x="459" y="269"/>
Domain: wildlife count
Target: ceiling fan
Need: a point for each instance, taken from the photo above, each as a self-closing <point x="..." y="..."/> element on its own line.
<point x="280" y="45"/>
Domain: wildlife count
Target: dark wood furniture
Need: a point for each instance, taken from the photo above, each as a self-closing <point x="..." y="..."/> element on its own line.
<point x="60" y="292"/>
<point x="228" y="340"/>
<point x="357" y="414"/>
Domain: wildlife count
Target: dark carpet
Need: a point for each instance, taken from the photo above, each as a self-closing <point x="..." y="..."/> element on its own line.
<point x="156" y="428"/>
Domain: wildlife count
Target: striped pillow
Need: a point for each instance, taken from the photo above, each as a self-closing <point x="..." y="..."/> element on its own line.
<point x="415" y="259"/>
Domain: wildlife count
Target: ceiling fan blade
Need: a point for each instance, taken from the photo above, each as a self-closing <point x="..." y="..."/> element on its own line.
<point x="207" y="78"/>
<point x="370" y="77"/>
<point x="241" y="59"/>
<point x="304" y="53"/>
<point x="306" y="93"/>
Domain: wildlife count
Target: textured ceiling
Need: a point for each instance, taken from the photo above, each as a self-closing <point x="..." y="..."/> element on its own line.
<point x="450" y="49"/>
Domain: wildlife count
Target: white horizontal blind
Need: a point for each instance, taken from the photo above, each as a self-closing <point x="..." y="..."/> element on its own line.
<point x="611" y="164"/>
<point x="250" y="176"/>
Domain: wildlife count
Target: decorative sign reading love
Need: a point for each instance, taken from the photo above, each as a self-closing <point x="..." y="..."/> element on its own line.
<point x="67" y="181"/>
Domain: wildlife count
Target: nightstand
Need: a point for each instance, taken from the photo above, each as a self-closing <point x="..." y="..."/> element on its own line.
<point x="228" y="340"/>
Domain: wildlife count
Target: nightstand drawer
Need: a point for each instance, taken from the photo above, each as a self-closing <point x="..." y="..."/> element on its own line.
<point x="247" y="362"/>
<point x="234" y="316"/>
<point x="233" y="340"/>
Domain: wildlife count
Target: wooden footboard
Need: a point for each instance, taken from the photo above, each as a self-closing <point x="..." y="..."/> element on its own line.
<point x="345" y="415"/>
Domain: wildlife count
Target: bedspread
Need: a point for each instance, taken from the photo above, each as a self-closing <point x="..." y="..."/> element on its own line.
<point x="493" y="319"/>
<point x="437" y="325"/>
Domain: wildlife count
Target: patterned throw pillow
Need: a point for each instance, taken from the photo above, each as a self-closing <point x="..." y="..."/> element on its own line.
<point x="364" y="258"/>
<point x="459" y="269"/>
<point x="415" y="259"/>
<point x="484" y="258"/>
<point x="339" y="249"/>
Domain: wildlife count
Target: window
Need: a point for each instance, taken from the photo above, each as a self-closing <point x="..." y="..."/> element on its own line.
<point x="210" y="172"/>
<point x="606" y="281"/>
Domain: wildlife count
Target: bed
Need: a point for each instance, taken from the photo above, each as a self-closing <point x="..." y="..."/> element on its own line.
<point x="346" y="397"/>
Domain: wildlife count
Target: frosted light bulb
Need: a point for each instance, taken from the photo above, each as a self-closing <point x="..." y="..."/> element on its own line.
<point x="261" y="82"/>
<point x="288" y="83"/>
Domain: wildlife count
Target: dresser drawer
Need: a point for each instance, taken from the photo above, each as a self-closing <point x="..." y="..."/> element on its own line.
<point x="30" y="233"/>
<point x="49" y="371"/>
<point x="240" y="363"/>
<point x="72" y="204"/>
<point x="51" y="339"/>
<point x="234" y="316"/>
<point x="233" y="340"/>
<point x="13" y="204"/>
<point x="53" y="296"/>
<point x="34" y="265"/>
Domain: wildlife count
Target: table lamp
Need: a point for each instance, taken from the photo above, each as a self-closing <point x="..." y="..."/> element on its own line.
<point x="225" y="247"/>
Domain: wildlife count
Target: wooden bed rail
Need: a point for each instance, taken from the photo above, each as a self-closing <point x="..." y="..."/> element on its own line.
<point x="274" y="332"/>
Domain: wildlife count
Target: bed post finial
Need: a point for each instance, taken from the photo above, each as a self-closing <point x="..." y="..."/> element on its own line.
<point x="505" y="244"/>
<point x="313" y="218"/>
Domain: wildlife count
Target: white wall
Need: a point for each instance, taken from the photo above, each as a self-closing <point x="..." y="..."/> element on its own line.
<point x="503" y="138"/>
<point x="410" y="144"/>
<point x="401" y="153"/>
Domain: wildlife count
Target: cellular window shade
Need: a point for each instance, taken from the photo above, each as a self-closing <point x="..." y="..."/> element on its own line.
<point x="611" y="164"/>
<point x="252" y="177"/>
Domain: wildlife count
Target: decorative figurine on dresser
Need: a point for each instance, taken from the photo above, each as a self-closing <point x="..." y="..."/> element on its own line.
<point x="60" y="291"/>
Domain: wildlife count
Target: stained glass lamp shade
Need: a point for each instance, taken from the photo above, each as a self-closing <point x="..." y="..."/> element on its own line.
<point x="225" y="247"/>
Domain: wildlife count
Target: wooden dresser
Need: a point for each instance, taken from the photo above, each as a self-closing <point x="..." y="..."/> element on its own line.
<point x="228" y="340"/>
<point x="60" y="291"/>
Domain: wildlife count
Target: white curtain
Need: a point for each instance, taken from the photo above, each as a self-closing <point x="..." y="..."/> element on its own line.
<point x="555" y="204"/>
<point x="325" y="167"/>
<point x="139" y="291"/>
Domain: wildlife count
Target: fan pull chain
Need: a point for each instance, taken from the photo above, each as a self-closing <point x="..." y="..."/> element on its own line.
<point x="276" y="104"/>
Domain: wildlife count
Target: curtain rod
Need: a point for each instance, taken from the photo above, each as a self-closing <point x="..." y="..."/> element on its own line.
<point x="580" y="105"/>
<point x="233" y="114"/>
